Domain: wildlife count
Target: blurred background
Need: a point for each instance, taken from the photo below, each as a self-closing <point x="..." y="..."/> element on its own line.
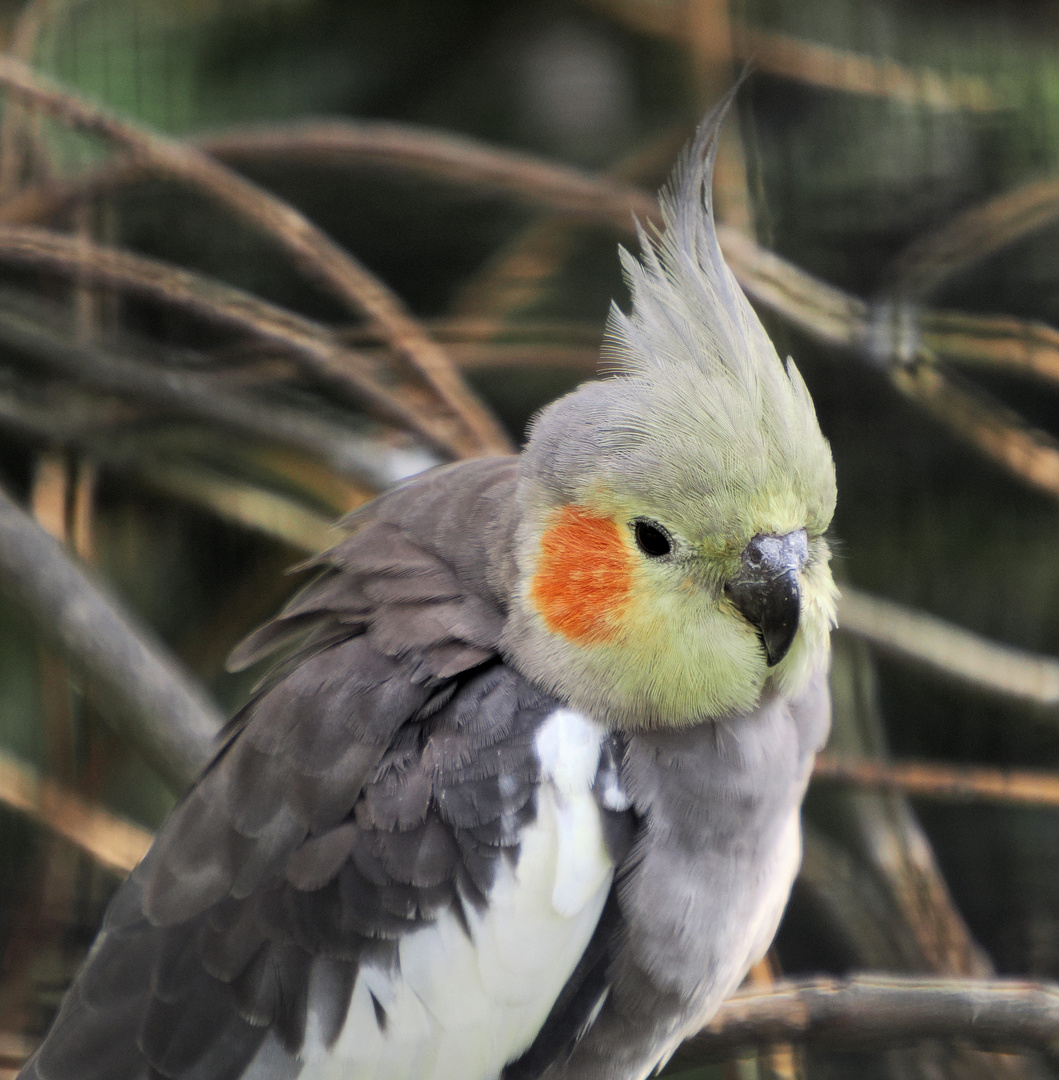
<point x="194" y="382"/>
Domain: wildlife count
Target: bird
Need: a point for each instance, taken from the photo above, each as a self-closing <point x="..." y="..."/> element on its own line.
<point x="520" y="796"/>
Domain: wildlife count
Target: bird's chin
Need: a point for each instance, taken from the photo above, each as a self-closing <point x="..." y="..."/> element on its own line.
<point x="809" y="652"/>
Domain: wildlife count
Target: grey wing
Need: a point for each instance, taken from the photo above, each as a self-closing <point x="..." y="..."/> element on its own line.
<point x="358" y="796"/>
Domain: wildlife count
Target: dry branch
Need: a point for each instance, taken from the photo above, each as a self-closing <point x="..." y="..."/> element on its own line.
<point x="894" y="868"/>
<point x="515" y="276"/>
<point x="111" y="841"/>
<point x="889" y="337"/>
<point x="268" y="512"/>
<point x="954" y="783"/>
<point x="1018" y="346"/>
<point x="840" y="69"/>
<point x="826" y="313"/>
<point x="137" y="684"/>
<point x="14" y="124"/>
<point x="974" y="235"/>
<point x="949" y="649"/>
<point x="313" y="251"/>
<point x="999" y="432"/>
<point x="873" y="1012"/>
<point x="288" y="496"/>
<point x="318" y="351"/>
<point x="600" y="200"/>
<point x="35" y="329"/>
<point x="452" y="158"/>
<point x="14" y="1049"/>
<point x="814" y="63"/>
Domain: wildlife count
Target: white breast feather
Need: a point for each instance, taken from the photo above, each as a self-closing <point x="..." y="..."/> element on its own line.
<point x="459" y="1007"/>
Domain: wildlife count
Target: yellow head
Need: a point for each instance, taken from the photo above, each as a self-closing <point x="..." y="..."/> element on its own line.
<point x="671" y="558"/>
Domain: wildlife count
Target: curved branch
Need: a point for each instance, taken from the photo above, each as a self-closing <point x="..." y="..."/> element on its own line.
<point x="1020" y="346"/>
<point x="138" y="685"/>
<point x="974" y="235"/>
<point x="454" y="158"/>
<point x="976" y="416"/>
<point x="35" y="328"/>
<point x="937" y="781"/>
<point x="872" y="1011"/>
<point x="949" y="649"/>
<point x="317" y="350"/>
<point x="110" y="840"/>
<point x="312" y="249"/>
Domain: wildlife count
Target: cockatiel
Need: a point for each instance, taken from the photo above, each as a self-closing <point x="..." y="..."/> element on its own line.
<point x="522" y="800"/>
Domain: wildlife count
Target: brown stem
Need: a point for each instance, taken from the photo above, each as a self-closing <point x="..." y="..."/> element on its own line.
<point x="999" y="432"/>
<point x="974" y="235"/>
<point x="111" y="841"/>
<point x="315" y="252"/>
<point x="14" y="125"/>
<point x="815" y="63"/>
<point x="311" y="344"/>
<point x="874" y="1011"/>
<point x="1020" y="346"/>
<point x="949" y="649"/>
<point x="36" y="329"/>
<point x="962" y="784"/>
<point x="137" y="684"/>
<point x="453" y="158"/>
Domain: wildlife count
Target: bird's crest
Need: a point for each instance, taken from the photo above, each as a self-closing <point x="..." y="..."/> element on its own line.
<point x="702" y="403"/>
<point x="687" y="306"/>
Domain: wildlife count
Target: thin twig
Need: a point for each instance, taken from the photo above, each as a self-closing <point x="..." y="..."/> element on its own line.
<point x="156" y="704"/>
<point x="918" y="911"/>
<point x="311" y="344"/>
<point x="13" y="125"/>
<point x="14" y="1049"/>
<point x="472" y="356"/>
<point x="1019" y="346"/>
<point x="949" y="649"/>
<point x="814" y="63"/>
<point x="268" y="512"/>
<point x="999" y="432"/>
<point x="889" y="337"/>
<point x="587" y="197"/>
<point x="288" y="496"/>
<point x="36" y="329"/>
<point x="974" y="235"/>
<point x="840" y="69"/>
<point x="457" y="159"/>
<point x="874" y="1012"/>
<point x="826" y="313"/>
<point x="313" y="251"/>
<point x="111" y="841"/>
<point x="950" y="782"/>
<point x="515" y="276"/>
<point x="60" y="415"/>
<point x="857" y="905"/>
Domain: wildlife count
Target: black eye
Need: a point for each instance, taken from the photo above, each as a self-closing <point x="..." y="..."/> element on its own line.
<point x="652" y="539"/>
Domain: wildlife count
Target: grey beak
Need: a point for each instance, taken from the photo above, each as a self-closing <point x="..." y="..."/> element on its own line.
<point x="766" y="593"/>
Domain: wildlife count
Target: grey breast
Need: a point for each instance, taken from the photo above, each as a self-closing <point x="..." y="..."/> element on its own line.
<point x="714" y="804"/>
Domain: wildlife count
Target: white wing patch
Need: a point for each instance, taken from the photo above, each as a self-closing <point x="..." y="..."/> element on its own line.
<point x="461" y="1007"/>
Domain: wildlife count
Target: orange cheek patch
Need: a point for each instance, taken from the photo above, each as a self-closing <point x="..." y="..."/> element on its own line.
<point x="584" y="577"/>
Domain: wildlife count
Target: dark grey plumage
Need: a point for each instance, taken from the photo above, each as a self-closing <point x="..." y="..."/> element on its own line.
<point x="355" y="796"/>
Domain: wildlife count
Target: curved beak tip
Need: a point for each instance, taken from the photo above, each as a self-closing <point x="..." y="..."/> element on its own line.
<point x="766" y="592"/>
<point x="778" y="632"/>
